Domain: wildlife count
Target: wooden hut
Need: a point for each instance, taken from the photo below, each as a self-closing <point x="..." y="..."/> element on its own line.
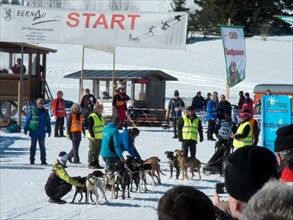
<point x="147" y="87"/>
<point x="34" y="79"/>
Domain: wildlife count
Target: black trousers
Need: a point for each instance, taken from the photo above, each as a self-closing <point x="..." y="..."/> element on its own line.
<point x="59" y="191"/>
<point x="174" y="121"/>
<point x="211" y="128"/>
<point x="74" y="152"/>
<point x="59" y="126"/>
<point x="189" y="145"/>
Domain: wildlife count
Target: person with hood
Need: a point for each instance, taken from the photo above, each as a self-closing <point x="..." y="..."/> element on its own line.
<point x="111" y="150"/>
<point x="87" y="105"/>
<point x="284" y="151"/>
<point x="120" y="104"/>
<point x="74" y="130"/>
<point x="96" y="125"/>
<point x="58" y="107"/>
<point x="248" y="104"/>
<point x="38" y="123"/>
<point x="59" y="182"/>
<point x="189" y="127"/>
<point x="243" y="134"/>
<point x="127" y="141"/>
<point x="175" y="107"/>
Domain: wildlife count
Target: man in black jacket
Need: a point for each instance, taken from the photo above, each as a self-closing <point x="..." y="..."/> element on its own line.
<point x="224" y="107"/>
<point x="87" y="105"/>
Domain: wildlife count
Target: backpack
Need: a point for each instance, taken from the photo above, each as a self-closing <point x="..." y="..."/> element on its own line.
<point x="13" y="127"/>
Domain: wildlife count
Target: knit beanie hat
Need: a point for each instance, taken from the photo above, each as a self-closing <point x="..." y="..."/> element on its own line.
<point x="190" y="108"/>
<point x="63" y="157"/>
<point x="284" y="140"/>
<point x="176" y="93"/>
<point x="247" y="170"/>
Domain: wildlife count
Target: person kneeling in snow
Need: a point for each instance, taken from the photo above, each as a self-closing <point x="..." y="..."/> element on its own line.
<point x="59" y="182"/>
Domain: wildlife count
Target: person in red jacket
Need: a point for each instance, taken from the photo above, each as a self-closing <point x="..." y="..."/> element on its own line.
<point x="120" y="104"/>
<point x="248" y="103"/>
<point x="59" y="113"/>
<point x="284" y="151"/>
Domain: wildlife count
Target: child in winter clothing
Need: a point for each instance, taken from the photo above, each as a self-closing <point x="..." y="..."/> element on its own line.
<point x="74" y="130"/>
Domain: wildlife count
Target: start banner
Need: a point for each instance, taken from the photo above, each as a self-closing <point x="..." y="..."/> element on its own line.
<point x="107" y="29"/>
<point x="235" y="54"/>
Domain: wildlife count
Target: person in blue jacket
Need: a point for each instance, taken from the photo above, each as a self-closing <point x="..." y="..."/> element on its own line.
<point x="127" y="141"/>
<point x="212" y="116"/>
<point x="38" y="124"/>
<point x="111" y="150"/>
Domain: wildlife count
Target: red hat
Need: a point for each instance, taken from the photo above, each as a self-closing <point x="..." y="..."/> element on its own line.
<point x="244" y="115"/>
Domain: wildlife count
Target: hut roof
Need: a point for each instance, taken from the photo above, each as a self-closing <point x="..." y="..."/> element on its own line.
<point x="275" y="88"/>
<point x="122" y="74"/>
<point x="14" y="47"/>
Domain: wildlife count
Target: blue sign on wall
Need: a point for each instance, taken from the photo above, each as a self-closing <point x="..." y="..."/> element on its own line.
<point x="276" y="112"/>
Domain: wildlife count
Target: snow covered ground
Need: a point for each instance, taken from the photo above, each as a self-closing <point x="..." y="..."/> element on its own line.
<point x="199" y="67"/>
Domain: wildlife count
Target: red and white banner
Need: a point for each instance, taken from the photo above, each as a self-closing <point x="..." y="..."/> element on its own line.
<point x="107" y="29"/>
<point x="235" y="54"/>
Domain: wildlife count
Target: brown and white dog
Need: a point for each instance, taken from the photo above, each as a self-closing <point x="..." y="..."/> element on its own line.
<point x="188" y="162"/>
<point x="93" y="183"/>
<point x="156" y="168"/>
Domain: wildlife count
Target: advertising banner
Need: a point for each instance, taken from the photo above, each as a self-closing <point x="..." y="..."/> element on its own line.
<point x="276" y="113"/>
<point x="95" y="28"/>
<point x="235" y="54"/>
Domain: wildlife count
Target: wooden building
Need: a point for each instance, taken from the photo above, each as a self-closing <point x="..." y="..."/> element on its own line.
<point x="147" y="87"/>
<point x="34" y="79"/>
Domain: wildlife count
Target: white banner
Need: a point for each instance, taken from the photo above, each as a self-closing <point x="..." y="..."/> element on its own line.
<point x="110" y="29"/>
<point x="235" y="54"/>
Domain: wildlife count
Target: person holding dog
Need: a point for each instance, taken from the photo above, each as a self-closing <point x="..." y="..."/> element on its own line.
<point x="111" y="150"/>
<point x="74" y="130"/>
<point x="127" y="142"/>
<point x="59" y="182"/>
<point x="38" y="123"/>
<point x="189" y="127"/>
<point x="96" y="124"/>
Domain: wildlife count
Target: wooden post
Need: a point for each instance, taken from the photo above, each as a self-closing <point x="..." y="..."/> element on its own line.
<point x="81" y="76"/>
<point x="227" y="84"/>
<point x="20" y="94"/>
<point x="113" y="81"/>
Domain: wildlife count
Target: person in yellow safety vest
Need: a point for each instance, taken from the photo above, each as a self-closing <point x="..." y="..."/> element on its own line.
<point x="255" y="128"/>
<point x="189" y="126"/>
<point x="59" y="182"/>
<point x="96" y="124"/>
<point x="74" y="130"/>
<point x="243" y="134"/>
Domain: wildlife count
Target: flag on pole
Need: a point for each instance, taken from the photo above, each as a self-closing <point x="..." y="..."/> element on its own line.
<point x="235" y="54"/>
<point x="288" y="19"/>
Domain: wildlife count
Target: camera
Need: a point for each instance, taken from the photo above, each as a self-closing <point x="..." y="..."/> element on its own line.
<point x="220" y="188"/>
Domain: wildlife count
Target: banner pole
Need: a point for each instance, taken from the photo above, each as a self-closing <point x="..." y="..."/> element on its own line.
<point x="81" y="76"/>
<point x="113" y="80"/>
<point x="227" y="84"/>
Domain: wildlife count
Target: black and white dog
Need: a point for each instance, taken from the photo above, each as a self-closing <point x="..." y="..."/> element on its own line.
<point x="93" y="183"/>
<point x="173" y="163"/>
